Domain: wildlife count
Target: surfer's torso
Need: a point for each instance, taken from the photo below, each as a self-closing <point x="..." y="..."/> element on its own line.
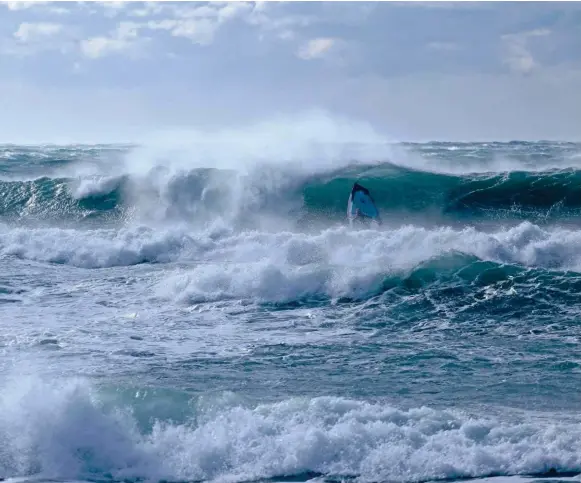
<point x="361" y="209"/>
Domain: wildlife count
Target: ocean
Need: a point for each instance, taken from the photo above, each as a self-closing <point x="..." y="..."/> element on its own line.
<point x="202" y="312"/>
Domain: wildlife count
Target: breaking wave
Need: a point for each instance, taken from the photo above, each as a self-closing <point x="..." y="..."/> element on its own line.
<point x="202" y="195"/>
<point x="71" y="431"/>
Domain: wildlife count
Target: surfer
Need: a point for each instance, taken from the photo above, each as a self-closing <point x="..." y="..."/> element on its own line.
<point x="361" y="207"/>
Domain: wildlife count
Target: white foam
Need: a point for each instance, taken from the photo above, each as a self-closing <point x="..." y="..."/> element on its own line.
<point x="285" y="265"/>
<point x="97" y="248"/>
<point x="65" y="430"/>
<point x="266" y="157"/>
<point x="268" y="161"/>
<point x="400" y="248"/>
<point x="339" y="262"/>
<point x="310" y="142"/>
<point x="94" y="186"/>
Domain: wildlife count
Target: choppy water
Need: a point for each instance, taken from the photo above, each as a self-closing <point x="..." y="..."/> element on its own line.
<point x="203" y="313"/>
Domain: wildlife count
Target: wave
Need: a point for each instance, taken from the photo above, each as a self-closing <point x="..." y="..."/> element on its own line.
<point x="71" y="430"/>
<point x="49" y="199"/>
<point x="512" y="195"/>
<point x="407" y="273"/>
<point x="202" y="195"/>
<point x="296" y="170"/>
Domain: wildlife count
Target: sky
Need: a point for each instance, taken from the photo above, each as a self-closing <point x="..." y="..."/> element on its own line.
<point x="415" y="71"/>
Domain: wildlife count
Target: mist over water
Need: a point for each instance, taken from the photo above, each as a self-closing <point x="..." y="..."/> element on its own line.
<point x="195" y="308"/>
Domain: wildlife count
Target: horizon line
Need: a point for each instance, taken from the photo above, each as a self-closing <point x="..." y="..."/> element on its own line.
<point x="129" y="144"/>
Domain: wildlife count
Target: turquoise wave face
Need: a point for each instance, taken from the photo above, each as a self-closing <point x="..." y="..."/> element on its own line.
<point x="515" y="195"/>
<point x="398" y="192"/>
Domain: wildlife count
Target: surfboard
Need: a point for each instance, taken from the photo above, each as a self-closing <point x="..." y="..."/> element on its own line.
<point x="361" y="205"/>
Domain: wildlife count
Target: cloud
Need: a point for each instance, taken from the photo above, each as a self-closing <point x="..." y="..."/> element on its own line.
<point x="269" y="18"/>
<point x="241" y="59"/>
<point x="124" y="39"/>
<point x="198" y="23"/>
<point x="48" y="7"/>
<point x="96" y="47"/>
<point x="32" y="38"/>
<point x="148" y="9"/>
<point x="233" y="10"/>
<point x="32" y="32"/>
<point x="200" y="31"/>
<point x="21" y="5"/>
<point x="518" y="56"/>
<point x="316" y="48"/>
<point x="112" y="9"/>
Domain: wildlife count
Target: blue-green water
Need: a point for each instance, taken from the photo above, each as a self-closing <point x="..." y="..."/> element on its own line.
<point x="169" y="315"/>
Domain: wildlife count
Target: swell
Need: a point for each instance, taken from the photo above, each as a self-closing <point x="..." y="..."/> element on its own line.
<point x="203" y="194"/>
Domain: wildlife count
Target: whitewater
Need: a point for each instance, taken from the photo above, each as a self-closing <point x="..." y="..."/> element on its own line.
<point x="195" y="308"/>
